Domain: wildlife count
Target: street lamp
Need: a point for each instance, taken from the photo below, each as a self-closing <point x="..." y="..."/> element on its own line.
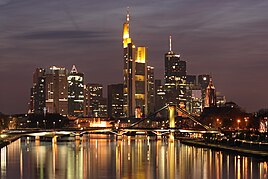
<point x="44" y="124"/>
<point x="37" y="124"/>
<point x="246" y="121"/>
<point x="54" y="125"/>
<point x="238" y="122"/>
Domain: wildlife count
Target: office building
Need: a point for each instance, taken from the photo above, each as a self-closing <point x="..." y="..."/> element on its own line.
<point x="203" y="81"/>
<point x="95" y="98"/>
<point x="75" y="93"/>
<point x="175" y="78"/>
<point x="210" y="99"/>
<point x="115" y="101"/>
<point x="56" y="90"/>
<point x="38" y="92"/>
<point x="135" y="74"/>
<point x="151" y="89"/>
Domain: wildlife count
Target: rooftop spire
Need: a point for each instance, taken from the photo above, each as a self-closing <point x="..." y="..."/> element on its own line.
<point x="170" y="43"/>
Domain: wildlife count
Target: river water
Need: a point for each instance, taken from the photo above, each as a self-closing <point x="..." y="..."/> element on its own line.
<point x="101" y="156"/>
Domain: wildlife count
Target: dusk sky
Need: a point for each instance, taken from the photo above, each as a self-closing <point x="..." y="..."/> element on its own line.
<point x="227" y="39"/>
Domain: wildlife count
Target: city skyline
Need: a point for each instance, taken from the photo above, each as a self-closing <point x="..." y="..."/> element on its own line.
<point x="69" y="39"/>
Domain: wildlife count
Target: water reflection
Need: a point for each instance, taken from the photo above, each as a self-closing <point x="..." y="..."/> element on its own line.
<point x="100" y="156"/>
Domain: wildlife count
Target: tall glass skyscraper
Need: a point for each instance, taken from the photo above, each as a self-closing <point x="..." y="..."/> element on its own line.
<point x="135" y="74"/>
<point x="175" y="78"/>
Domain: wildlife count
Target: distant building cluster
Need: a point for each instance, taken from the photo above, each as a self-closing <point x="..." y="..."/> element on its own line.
<point x="55" y="90"/>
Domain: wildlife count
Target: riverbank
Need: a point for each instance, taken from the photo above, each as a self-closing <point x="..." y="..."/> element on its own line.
<point x="231" y="149"/>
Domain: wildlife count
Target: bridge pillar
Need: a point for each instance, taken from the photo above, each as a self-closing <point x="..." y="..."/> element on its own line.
<point x="54" y="139"/>
<point x="171" y="136"/>
<point x="37" y="137"/>
<point x="158" y="135"/>
<point x="172" y="109"/>
<point x="119" y="135"/>
<point x="77" y="136"/>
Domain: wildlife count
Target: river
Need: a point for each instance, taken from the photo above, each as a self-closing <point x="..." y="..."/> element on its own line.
<point x="102" y="156"/>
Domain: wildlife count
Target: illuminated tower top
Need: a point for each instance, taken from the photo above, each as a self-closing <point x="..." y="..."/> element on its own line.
<point x="126" y="36"/>
<point x="74" y="69"/>
<point x="211" y="86"/>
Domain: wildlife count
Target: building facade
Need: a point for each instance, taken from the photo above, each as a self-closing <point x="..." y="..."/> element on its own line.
<point x="175" y="79"/>
<point x="210" y="99"/>
<point x="96" y="101"/>
<point x="203" y="81"/>
<point x="56" y="90"/>
<point x="151" y="89"/>
<point x="75" y="93"/>
<point x="115" y="101"/>
<point x="38" y="91"/>
<point x="135" y="74"/>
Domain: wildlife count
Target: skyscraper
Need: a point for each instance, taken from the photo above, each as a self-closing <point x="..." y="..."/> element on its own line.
<point x="75" y="93"/>
<point x="38" y="101"/>
<point x="115" y="101"/>
<point x="56" y="90"/>
<point x="210" y="100"/>
<point x="175" y="78"/>
<point x="140" y="81"/>
<point x="95" y="99"/>
<point x="194" y="95"/>
<point x="129" y="69"/>
<point x="151" y="89"/>
<point x="135" y="74"/>
<point x="86" y="100"/>
<point x="203" y="81"/>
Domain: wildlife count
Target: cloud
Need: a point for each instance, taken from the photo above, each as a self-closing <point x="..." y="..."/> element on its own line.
<point x="61" y="35"/>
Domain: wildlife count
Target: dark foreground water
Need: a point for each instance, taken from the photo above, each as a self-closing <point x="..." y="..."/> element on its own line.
<point x="100" y="156"/>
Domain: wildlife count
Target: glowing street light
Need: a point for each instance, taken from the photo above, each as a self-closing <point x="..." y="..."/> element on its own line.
<point x="54" y="125"/>
<point x="238" y="122"/>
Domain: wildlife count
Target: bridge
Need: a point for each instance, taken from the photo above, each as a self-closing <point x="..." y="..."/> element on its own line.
<point x="135" y="127"/>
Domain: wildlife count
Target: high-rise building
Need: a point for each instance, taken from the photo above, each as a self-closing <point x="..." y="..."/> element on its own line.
<point x="140" y="81"/>
<point x="196" y="101"/>
<point x="135" y="74"/>
<point x="203" y="81"/>
<point x="86" y="100"/>
<point x="194" y="95"/>
<point x="129" y="69"/>
<point x="75" y="93"/>
<point x="160" y="100"/>
<point x="38" y="91"/>
<point x="103" y="108"/>
<point x="151" y="89"/>
<point x="56" y="90"/>
<point x="175" y="78"/>
<point x="220" y="99"/>
<point x="95" y="98"/>
<point x="115" y="101"/>
<point x="210" y="100"/>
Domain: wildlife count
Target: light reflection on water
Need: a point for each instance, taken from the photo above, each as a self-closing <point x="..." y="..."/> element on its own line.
<point x="99" y="156"/>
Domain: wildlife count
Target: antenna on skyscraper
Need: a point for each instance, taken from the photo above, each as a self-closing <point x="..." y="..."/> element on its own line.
<point x="170" y="43"/>
<point x="128" y="14"/>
